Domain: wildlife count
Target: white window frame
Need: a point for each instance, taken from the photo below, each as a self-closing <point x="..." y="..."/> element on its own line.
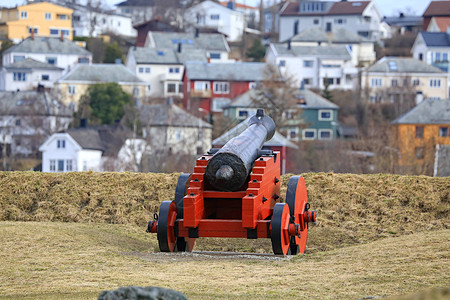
<point x="376" y="82"/>
<point x="221" y="87"/>
<point x="69" y="165"/>
<point x="48" y="15"/>
<point x="308" y="63"/>
<point x="252" y="85"/>
<point x="52" y="165"/>
<point x="304" y="131"/>
<point x="201" y="85"/>
<point x="215" y="104"/>
<point x="24" y="14"/>
<point x="167" y="87"/>
<point x="325" y="130"/>
<point x="238" y="113"/>
<point x="72" y="89"/>
<point x="434" y="83"/>
<point x="325" y="119"/>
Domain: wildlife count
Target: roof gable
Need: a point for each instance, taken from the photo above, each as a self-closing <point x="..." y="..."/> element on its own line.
<point x="436" y="39"/>
<point x="99" y="73"/>
<point x="48" y="45"/>
<point x="315" y="34"/>
<point x="29" y="63"/>
<point x="169" y="115"/>
<point x="428" y="112"/>
<point x="402" y="65"/>
<point x="60" y="135"/>
<point x="240" y="71"/>
<point x="334" y="51"/>
<point x="437" y="8"/>
<point x="167" y="55"/>
<point x="348" y="8"/>
<point x="205" y="41"/>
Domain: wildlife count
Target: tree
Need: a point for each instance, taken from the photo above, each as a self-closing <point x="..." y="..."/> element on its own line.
<point x="112" y="52"/>
<point x="104" y="103"/>
<point x="257" y="51"/>
<point x="326" y="91"/>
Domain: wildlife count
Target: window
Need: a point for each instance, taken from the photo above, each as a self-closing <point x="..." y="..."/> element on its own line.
<point x="363" y="33"/>
<point x="437" y="56"/>
<point x="219" y="103"/>
<point x="419" y="132"/>
<point x="141" y="70"/>
<point x="60" y="144"/>
<point x="18" y="122"/>
<point x="307" y="81"/>
<point x="416" y="82"/>
<point x="31" y="29"/>
<point x="445" y="57"/>
<point x="62" y="17"/>
<point x="20" y="76"/>
<point x="325" y="115"/>
<point x="282" y="63"/>
<point x="444" y="131"/>
<point x="292" y="134"/>
<point x="376" y="82"/>
<point x="85" y="165"/>
<point x="435" y="83"/>
<point x="174" y="70"/>
<point x="221" y="87"/>
<point x="340" y="21"/>
<point x="171" y="88"/>
<point x="83" y="60"/>
<point x="214" y="55"/>
<point x="54" y="32"/>
<point x="180" y="87"/>
<point x="329" y="81"/>
<point x="52" y="165"/>
<point x="325" y="134"/>
<point x="45" y="77"/>
<point x="252" y="85"/>
<point x="309" y="134"/>
<point x="419" y="152"/>
<point x="69" y="165"/>
<point x="23" y="15"/>
<point x="308" y="63"/>
<point x="60" y="165"/>
<point x="18" y="58"/>
<point x="51" y="60"/>
<point x="72" y="89"/>
<point x="135" y="91"/>
<point x="48" y="16"/>
<point x="328" y="66"/>
<point x="316" y="21"/>
<point x="201" y="86"/>
<point x="215" y="17"/>
<point x="66" y="32"/>
<point x="394" y="82"/>
<point x="242" y="114"/>
<point x="147" y="70"/>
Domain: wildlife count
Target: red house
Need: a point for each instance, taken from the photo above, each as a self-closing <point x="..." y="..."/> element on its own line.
<point x="211" y="86"/>
<point x="435" y="9"/>
<point x="152" y="25"/>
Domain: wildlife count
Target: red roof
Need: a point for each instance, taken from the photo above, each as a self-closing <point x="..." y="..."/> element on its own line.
<point x="238" y="5"/>
<point x="437" y="8"/>
<point x="442" y="23"/>
<point x="348" y="8"/>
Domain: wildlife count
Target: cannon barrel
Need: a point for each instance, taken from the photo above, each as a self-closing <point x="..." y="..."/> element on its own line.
<point x="228" y="169"/>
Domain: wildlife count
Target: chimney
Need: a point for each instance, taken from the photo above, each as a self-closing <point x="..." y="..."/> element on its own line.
<point x="230" y="4"/>
<point x="118" y="61"/>
<point x="179" y="47"/>
<point x="419" y="97"/>
<point x="197" y="32"/>
<point x="40" y="88"/>
<point x="83" y="123"/>
<point x="62" y="36"/>
<point x="289" y="45"/>
<point x="32" y="33"/>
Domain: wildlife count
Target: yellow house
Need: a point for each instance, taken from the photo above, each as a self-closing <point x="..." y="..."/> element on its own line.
<point x="74" y="85"/>
<point x="418" y="132"/>
<point x="42" y="19"/>
<point x="394" y="79"/>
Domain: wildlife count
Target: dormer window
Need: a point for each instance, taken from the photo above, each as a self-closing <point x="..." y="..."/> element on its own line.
<point x="60" y="144"/>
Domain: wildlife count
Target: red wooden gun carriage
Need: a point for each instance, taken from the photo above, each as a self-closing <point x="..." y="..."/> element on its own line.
<point x="234" y="192"/>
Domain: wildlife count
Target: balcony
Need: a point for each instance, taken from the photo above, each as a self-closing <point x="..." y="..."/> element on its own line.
<point x="200" y="93"/>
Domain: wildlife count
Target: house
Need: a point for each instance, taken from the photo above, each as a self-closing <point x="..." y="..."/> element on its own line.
<point x="27" y="118"/>
<point x="361" y="17"/>
<point x="152" y="25"/>
<point x="43" y="19"/>
<point x="403" y="24"/>
<point x="214" y="44"/>
<point x="317" y="118"/>
<point x="209" y="14"/>
<point x="59" y="52"/>
<point x="314" y="66"/>
<point x="162" y="68"/>
<point x="272" y="18"/>
<point x="277" y="143"/>
<point x="439" y="24"/>
<point x="81" y="149"/>
<point x="361" y="49"/>
<point x="169" y="130"/>
<point x="28" y="74"/>
<point x="139" y="11"/>
<point x="435" y="9"/>
<point x="400" y="79"/>
<point x="73" y="85"/>
<point x="433" y="48"/>
<point x="418" y="134"/>
<point x="251" y="13"/>
<point x="210" y="87"/>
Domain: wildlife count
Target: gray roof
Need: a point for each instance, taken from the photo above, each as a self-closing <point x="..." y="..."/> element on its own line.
<point x="205" y="41"/>
<point x="339" y="35"/>
<point x="137" y="3"/>
<point x="278" y="140"/>
<point x="402" y="65"/>
<point x="48" y="45"/>
<point x="101" y="73"/>
<point x="87" y="138"/>
<point x="428" y="112"/>
<point x="32" y="103"/>
<point x="240" y="71"/>
<point x="167" y="55"/>
<point x="404" y="20"/>
<point x="169" y="115"/>
<point x="436" y="39"/>
<point x="29" y="63"/>
<point x="313" y="101"/>
<point x="336" y="51"/>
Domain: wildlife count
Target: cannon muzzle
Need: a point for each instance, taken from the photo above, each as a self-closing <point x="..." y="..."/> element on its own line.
<point x="228" y="169"/>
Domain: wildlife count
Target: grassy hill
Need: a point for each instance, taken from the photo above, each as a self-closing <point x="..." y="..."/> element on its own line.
<point x="76" y="234"/>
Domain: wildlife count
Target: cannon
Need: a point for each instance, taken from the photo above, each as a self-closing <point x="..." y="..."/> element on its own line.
<point x="234" y="192"/>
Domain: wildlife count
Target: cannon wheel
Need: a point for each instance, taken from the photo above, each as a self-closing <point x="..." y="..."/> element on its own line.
<point x="280" y="229"/>
<point x="166" y="226"/>
<point x="180" y="192"/>
<point x="296" y="199"/>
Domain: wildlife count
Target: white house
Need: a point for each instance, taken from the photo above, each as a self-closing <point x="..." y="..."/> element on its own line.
<point x="138" y="10"/>
<point x="162" y="68"/>
<point x="361" y="17"/>
<point x="251" y="13"/>
<point x="28" y="74"/>
<point x="59" y="52"/>
<point x="432" y="48"/>
<point x="209" y="14"/>
<point x="312" y="65"/>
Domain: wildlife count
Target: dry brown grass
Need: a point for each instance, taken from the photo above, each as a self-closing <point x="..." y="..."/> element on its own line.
<point x="352" y="209"/>
<point x="52" y="260"/>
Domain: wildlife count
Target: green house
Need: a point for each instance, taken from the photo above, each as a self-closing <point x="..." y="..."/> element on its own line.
<point x="317" y="120"/>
